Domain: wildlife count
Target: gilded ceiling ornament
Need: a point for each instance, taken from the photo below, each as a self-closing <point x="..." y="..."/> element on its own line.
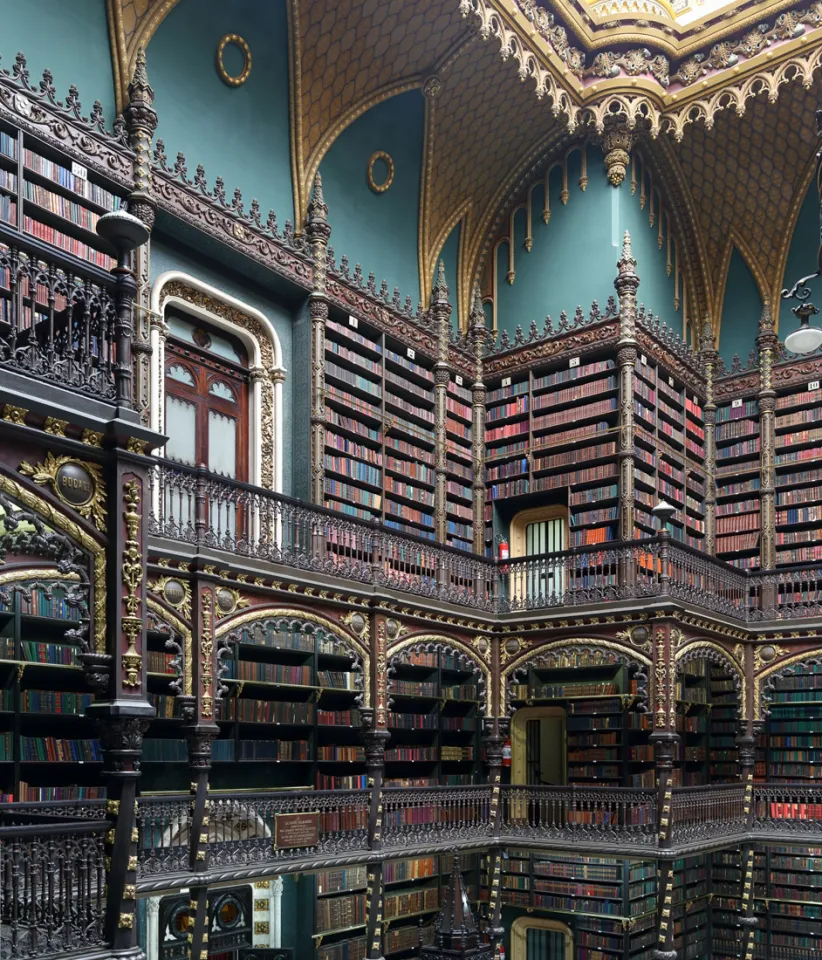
<point x="617" y="142"/>
<point x="432" y="88"/>
<point x="374" y="158"/>
<point x="225" y="76"/>
<point x="78" y="483"/>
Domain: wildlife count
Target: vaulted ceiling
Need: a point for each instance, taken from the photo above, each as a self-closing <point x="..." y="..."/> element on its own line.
<point x="727" y="106"/>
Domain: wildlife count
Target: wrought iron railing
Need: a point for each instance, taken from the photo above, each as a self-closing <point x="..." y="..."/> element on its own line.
<point x="56" y="324"/>
<point x="704" y="812"/>
<point x="788" y="808"/>
<point x="436" y="814"/>
<point x="201" y="508"/>
<point x="568" y="813"/>
<point x="242" y="828"/>
<point x="52" y="889"/>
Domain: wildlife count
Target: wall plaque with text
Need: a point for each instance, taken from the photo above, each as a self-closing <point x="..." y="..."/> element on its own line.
<point x="296" y="830"/>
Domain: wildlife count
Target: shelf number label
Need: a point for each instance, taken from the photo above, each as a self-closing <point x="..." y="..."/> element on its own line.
<point x="506" y="381"/>
<point x="353" y="322"/>
<point x="813" y="385"/>
<point x="735" y="404"/>
<point x="410" y="353"/>
<point x="458" y="378"/>
<point x="670" y="381"/>
<point x="78" y="170"/>
<point x="573" y="362"/>
<point x="643" y="359"/>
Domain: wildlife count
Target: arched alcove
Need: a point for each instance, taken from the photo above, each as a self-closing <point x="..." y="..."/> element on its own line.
<point x="741" y="310"/>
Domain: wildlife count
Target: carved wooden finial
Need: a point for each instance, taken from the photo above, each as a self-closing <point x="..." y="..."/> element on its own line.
<point x="139" y="89"/>
<point x="317" y="207"/>
<point x="441" y="287"/>
<point x="477" y="317"/>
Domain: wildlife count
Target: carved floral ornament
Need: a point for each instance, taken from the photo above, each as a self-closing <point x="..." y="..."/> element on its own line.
<point x="642" y="88"/>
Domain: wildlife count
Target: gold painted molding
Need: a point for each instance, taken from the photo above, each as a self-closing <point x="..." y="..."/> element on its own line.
<point x="519" y="935"/>
<point x="185" y="632"/>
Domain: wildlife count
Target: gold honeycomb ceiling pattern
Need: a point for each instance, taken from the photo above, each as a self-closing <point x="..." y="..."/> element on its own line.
<point x="476" y="141"/>
<point x="349" y="54"/>
<point x="746" y="177"/>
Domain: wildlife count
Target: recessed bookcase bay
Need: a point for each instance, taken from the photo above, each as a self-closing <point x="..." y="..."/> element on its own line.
<point x="553" y="429"/>
<point x="289" y="715"/>
<point x="380" y="447"/>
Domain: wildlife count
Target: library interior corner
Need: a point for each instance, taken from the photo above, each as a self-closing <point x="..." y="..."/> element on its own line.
<point x="410" y="480"/>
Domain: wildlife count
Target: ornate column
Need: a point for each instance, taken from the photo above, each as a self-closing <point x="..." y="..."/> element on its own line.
<point x="478" y="335"/>
<point x="494" y="735"/>
<point x="122" y="711"/>
<point x="440" y="315"/>
<point x="275" y="911"/>
<point x="766" y="343"/>
<point x="153" y="928"/>
<point x="317" y="230"/>
<point x="198" y="708"/>
<point x="664" y="737"/>
<point x="627" y="284"/>
<point x="141" y="122"/>
<point x="664" y="949"/>
<point x="709" y="358"/>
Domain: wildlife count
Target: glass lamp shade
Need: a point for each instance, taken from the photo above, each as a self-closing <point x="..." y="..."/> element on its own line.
<point x="121" y="231"/>
<point x="804" y="340"/>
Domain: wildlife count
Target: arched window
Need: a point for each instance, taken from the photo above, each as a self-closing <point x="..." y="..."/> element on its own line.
<point x="206" y="397"/>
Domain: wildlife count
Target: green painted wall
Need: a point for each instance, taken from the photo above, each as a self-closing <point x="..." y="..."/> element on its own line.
<point x="802" y="260"/>
<point x="741" y="311"/>
<point x="297" y="912"/>
<point x="378" y="230"/>
<point x="68" y="37"/>
<point x="165" y="256"/>
<point x="450" y="257"/>
<point x="574" y="256"/>
<point x="238" y="133"/>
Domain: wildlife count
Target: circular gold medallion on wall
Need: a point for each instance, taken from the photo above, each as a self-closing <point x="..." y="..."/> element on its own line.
<point x="386" y="159"/>
<point x="242" y="76"/>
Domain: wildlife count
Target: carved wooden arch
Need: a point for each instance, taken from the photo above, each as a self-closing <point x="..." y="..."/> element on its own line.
<point x="178" y="642"/>
<point x="428" y="643"/>
<point x="720" y="657"/>
<point x="314" y="622"/>
<point x="542" y="655"/>
<point x="79" y="537"/>
<point x="766" y="682"/>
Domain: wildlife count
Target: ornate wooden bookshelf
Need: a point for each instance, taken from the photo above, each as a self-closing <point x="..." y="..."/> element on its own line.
<point x="434" y="720"/>
<point x="49" y="751"/>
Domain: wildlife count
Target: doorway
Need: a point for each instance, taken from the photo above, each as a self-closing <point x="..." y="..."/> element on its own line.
<point x="533" y="938"/>
<point x="538" y="747"/>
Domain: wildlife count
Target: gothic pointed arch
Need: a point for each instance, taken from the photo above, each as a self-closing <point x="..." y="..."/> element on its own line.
<point x="741" y="291"/>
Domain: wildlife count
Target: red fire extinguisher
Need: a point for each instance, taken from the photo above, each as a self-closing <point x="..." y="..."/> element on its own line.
<point x="502" y="953"/>
<point x="506" y="754"/>
<point x="504" y="554"/>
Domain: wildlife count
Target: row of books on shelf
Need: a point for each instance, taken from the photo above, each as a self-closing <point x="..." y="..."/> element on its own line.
<point x="52" y="749"/>
<point x="65" y="242"/>
<point x="414" y="688"/>
<point x="340" y="913"/>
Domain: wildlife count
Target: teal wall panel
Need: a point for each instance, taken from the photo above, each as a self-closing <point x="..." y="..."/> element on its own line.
<point x="573" y="260"/>
<point x="450" y="257"/>
<point x="165" y="257"/>
<point x="741" y="311"/>
<point x="68" y="37"/>
<point x="378" y="230"/>
<point x="802" y="260"/>
<point x="238" y="133"/>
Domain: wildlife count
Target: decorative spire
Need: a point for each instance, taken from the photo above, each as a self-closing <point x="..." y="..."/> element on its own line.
<point x="139" y="89"/>
<point x="766" y="318"/>
<point x="317" y="207"/>
<point x="440" y="291"/>
<point x="626" y="263"/>
<point x="457" y="935"/>
<point x="477" y="315"/>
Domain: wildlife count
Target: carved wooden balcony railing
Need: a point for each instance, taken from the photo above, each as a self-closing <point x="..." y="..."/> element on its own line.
<point x="57" y="324"/>
<point x="423" y="815"/>
<point x="788" y="808"/>
<point x="52" y="889"/>
<point x="706" y="812"/>
<point x="203" y="509"/>
<point x="242" y="828"/>
<point x="579" y="813"/>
